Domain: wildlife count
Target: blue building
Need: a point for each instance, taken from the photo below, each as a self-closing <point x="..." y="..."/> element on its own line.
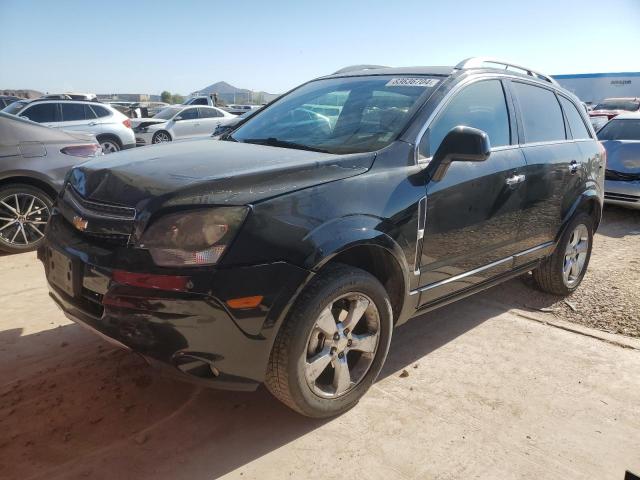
<point x="593" y="87"/>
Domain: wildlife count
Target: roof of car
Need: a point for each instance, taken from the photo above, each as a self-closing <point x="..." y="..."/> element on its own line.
<point x="380" y="70"/>
<point x="628" y="116"/>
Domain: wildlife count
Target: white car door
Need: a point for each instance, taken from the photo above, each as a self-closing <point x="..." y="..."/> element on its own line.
<point x="210" y="118"/>
<point x="185" y="123"/>
<point x="77" y="116"/>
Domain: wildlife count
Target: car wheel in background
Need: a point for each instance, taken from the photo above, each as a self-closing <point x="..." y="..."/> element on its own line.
<point x="562" y="272"/>
<point x="333" y="343"/>
<point x="24" y="212"/>
<point x="109" y="145"/>
<point x="161" y="137"/>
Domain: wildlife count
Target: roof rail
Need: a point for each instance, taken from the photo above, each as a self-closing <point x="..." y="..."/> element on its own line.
<point x="481" y="62"/>
<point x="355" y="68"/>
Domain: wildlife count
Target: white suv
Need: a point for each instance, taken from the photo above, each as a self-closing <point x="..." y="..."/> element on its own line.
<point x="111" y="128"/>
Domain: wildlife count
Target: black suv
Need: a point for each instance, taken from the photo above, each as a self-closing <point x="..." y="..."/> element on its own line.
<point x="286" y="252"/>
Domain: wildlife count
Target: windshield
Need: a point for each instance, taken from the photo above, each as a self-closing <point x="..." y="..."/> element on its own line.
<point x="628" y="105"/>
<point x="620" y="130"/>
<point x="339" y="115"/>
<point x="14" y="107"/>
<point x="167" y="113"/>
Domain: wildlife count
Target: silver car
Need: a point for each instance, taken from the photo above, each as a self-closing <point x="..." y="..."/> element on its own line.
<point x="110" y="127"/>
<point x="621" y="140"/>
<point x="178" y="122"/>
<point x="33" y="163"/>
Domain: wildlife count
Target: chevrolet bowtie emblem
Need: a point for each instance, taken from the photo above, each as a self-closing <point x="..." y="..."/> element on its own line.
<point x="80" y="223"/>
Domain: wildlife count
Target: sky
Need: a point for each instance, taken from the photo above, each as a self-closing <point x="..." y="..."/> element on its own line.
<point x="144" y="46"/>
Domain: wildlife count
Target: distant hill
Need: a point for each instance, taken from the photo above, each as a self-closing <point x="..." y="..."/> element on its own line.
<point x="230" y="94"/>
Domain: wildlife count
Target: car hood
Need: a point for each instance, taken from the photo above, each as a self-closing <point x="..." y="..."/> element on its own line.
<point x="146" y="122"/>
<point x="208" y="171"/>
<point x="623" y="155"/>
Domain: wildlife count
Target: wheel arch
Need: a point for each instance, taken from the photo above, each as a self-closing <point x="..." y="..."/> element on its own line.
<point x="588" y="202"/>
<point x="109" y="136"/>
<point x="31" y="181"/>
<point x="357" y="241"/>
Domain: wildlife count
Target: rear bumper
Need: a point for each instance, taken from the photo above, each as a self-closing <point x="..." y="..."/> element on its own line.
<point x="624" y="194"/>
<point x="193" y="334"/>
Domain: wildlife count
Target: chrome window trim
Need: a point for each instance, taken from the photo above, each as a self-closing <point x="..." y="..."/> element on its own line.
<point x="468" y="81"/>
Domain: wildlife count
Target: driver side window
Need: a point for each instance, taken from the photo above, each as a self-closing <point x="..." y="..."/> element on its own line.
<point x="481" y="105"/>
<point x="189" y="114"/>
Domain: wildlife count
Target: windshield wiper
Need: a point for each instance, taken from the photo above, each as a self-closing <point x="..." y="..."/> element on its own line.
<point x="276" y="142"/>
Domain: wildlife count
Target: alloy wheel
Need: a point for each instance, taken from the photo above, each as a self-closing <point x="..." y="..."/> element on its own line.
<point x="109" y="146"/>
<point x="575" y="255"/>
<point x="342" y="345"/>
<point x="161" y="137"/>
<point x="23" y="218"/>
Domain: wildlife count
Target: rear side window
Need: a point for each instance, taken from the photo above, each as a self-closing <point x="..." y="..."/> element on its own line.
<point x="209" y="113"/>
<point x="481" y="105"/>
<point x="42" y="113"/>
<point x="189" y="114"/>
<point x="100" y="111"/>
<point x="199" y="101"/>
<point x="73" y="111"/>
<point x="541" y="114"/>
<point x="628" y="129"/>
<point x="578" y="128"/>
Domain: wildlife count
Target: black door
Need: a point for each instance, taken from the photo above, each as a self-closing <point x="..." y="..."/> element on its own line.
<point x="552" y="170"/>
<point x="472" y="214"/>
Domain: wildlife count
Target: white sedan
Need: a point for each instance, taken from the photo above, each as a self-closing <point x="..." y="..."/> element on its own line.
<point x="178" y="122"/>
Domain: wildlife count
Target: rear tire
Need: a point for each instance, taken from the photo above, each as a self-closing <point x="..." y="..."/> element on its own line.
<point x="332" y="344"/>
<point x="109" y="144"/>
<point x="563" y="271"/>
<point x="24" y="212"/>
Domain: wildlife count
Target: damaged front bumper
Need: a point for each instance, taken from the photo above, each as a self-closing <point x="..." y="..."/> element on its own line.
<point x="191" y="331"/>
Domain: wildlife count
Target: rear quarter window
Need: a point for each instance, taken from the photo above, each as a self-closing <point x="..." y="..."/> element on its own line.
<point x="100" y="111"/>
<point x="576" y="123"/>
<point x="541" y="115"/>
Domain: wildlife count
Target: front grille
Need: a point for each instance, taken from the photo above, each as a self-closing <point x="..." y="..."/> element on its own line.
<point x="621" y="197"/>
<point x="108" y="238"/>
<point x="91" y="208"/>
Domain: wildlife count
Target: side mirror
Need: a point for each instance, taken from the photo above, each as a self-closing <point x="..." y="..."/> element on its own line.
<point x="461" y="144"/>
<point x="177" y="118"/>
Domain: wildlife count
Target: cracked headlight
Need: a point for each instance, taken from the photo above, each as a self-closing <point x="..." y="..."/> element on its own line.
<point x="192" y="238"/>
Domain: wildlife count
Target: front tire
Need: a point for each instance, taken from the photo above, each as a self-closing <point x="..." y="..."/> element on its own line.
<point x="161" y="137"/>
<point x="562" y="272"/>
<point x="24" y="213"/>
<point x="333" y="343"/>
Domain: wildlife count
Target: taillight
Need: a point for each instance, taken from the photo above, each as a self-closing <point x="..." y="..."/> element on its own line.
<point x="87" y="150"/>
<point x="127" y="123"/>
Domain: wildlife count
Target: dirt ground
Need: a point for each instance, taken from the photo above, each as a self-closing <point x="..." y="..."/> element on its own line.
<point x="488" y="393"/>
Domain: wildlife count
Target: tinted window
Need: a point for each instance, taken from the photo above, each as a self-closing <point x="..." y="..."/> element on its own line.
<point x="189" y="114"/>
<point x="199" y="101"/>
<point x="541" y="114"/>
<point x="620" y="130"/>
<point x="166" y="113"/>
<point x="41" y="113"/>
<point x="15" y="107"/>
<point x="73" y="111"/>
<point x="578" y="129"/>
<point x="481" y="105"/>
<point x="209" y="113"/>
<point x="629" y="105"/>
<point x="100" y="111"/>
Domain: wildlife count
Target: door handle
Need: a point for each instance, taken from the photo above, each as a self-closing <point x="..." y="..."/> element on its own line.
<point x="573" y="166"/>
<point x="93" y="124"/>
<point x="515" y="180"/>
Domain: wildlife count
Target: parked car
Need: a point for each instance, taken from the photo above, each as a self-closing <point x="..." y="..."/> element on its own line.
<point x="610" y="108"/>
<point x="227" y="127"/>
<point x="621" y="139"/>
<point x="179" y="122"/>
<point x="286" y="252"/>
<point x="240" y="109"/>
<point x="203" y="100"/>
<point x="33" y="162"/>
<point x="6" y="100"/>
<point x="110" y="127"/>
<point x="70" y="96"/>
